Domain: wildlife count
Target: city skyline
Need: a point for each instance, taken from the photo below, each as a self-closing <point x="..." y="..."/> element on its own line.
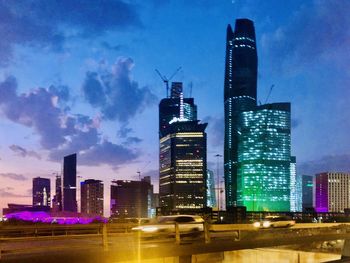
<point x="68" y="66"/>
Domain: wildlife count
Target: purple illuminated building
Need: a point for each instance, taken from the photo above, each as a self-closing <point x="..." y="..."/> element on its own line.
<point x="331" y="192"/>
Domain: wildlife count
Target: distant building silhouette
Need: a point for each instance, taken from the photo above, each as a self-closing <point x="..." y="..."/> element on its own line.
<point x="69" y="183"/>
<point x="91" y="192"/>
<point x="307" y="188"/>
<point x="57" y="200"/>
<point x="332" y="192"/>
<point x="131" y="198"/>
<point x="41" y="192"/>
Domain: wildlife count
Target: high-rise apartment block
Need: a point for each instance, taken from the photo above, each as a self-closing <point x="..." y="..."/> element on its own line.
<point x="91" y="192"/>
<point x="257" y="150"/>
<point x="131" y="198"/>
<point x="69" y="200"/>
<point x="41" y="192"/>
<point x="182" y="156"/>
<point x="332" y="192"/>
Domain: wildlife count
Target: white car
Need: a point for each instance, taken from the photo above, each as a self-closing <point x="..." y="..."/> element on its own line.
<point x="275" y="221"/>
<point x="165" y="225"/>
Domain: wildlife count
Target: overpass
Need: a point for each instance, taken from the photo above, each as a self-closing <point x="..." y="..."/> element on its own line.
<point x="115" y="242"/>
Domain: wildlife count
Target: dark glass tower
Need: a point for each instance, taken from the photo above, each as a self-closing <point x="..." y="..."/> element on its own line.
<point x="183" y="168"/>
<point x="70" y="183"/>
<point x="41" y="192"/>
<point x="182" y="156"/>
<point x="240" y="89"/>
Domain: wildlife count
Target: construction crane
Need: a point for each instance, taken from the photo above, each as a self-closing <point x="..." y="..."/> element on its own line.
<point x="166" y="80"/>
<point x="268" y="95"/>
<point x="139" y="172"/>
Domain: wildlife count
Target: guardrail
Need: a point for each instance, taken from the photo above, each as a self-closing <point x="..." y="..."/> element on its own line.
<point x="101" y="232"/>
<point x="32" y="238"/>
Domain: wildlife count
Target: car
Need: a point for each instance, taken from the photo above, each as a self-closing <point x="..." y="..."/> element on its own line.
<point x="274" y="221"/>
<point x="165" y="226"/>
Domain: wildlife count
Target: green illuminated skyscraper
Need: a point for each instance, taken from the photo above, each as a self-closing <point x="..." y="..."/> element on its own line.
<point x="264" y="158"/>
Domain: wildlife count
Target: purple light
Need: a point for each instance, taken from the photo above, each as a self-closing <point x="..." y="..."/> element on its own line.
<point x="44" y="217"/>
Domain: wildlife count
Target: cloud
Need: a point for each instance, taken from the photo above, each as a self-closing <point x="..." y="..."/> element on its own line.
<point x="37" y="109"/>
<point x="107" y="153"/>
<point x="49" y="23"/>
<point x="215" y="130"/>
<point x="328" y="163"/>
<point x="115" y="93"/>
<point x="295" y="123"/>
<point x="20" y="151"/>
<point x="5" y="192"/>
<point x="314" y="33"/>
<point x="60" y="132"/>
<point x="108" y="46"/>
<point x="14" y="176"/>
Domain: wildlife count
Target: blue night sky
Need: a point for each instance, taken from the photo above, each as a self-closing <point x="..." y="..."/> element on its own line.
<point x="79" y="76"/>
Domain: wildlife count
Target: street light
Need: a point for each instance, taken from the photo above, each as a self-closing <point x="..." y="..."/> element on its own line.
<point x="218" y="180"/>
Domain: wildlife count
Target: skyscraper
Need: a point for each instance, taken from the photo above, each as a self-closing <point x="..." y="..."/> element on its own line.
<point x="264" y="158"/>
<point x="57" y="200"/>
<point x="307" y="188"/>
<point x="240" y="89"/>
<point x="91" y="197"/>
<point x="169" y="108"/>
<point x="211" y="196"/>
<point x="182" y="157"/>
<point x="332" y="192"/>
<point x="69" y="183"/>
<point x="257" y="150"/>
<point x="41" y="192"/>
<point x="131" y="198"/>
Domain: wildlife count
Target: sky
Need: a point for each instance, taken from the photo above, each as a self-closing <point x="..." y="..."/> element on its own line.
<point x="79" y="76"/>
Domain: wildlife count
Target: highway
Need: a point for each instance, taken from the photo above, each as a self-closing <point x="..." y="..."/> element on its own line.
<point x="91" y="244"/>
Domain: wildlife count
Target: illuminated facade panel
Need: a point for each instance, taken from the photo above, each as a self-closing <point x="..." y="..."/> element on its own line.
<point x="332" y="192"/>
<point x="264" y="160"/>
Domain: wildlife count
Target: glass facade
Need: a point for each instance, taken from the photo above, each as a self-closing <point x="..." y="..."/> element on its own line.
<point x="264" y="160"/>
<point x="182" y="161"/>
<point x="69" y="199"/>
<point x="211" y="196"/>
<point x="295" y="188"/>
<point x="240" y="88"/>
<point x="307" y="195"/>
